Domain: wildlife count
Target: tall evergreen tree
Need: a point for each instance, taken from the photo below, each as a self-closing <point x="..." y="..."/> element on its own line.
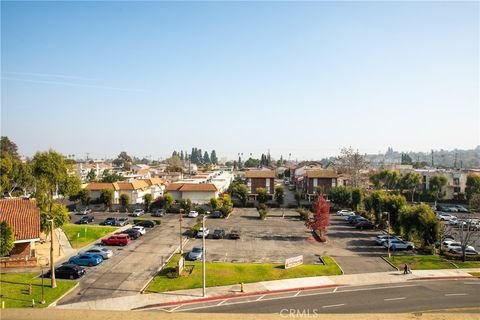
<point x="181" y="155"/>
<point x="213" y="157"/>
<point x="206" y="158"/>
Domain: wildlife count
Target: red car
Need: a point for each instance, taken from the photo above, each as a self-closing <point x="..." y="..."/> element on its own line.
<point x="117" y="240"/>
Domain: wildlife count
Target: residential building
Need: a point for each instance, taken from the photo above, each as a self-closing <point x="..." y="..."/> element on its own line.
<point x="324" y="180"/>
<point x="196" y="192"/>
<point x="135" y="190"/>
<point x="260" y="179"/>
<point x="23" y="216"/>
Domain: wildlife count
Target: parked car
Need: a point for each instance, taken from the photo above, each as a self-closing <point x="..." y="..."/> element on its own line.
<point x="398" y="244"/>
<point x="103" y="252"/>
<point x="140" y="229"/>
<point x="344" y="212"/>
<point x="468" y="250"/>
<point x="364" y="225"/>
<point x="136" y="213"/>
<point x="357" y="219"/>
<point x="456" y="245"/>
<point x="216" y="214"/>
<point x="202" y="231"/>
<point x="218" y="234"/>
<point x="158" y="213"/>
<point x="195" y="254"/>
<point x="461" y="209"/>
<point x="109" y="222"/>
<point x="132" y="233"/>
<point x="446" y="217"/>
<point x="145" y="224"/>
<point x="193" y="214"/>
<point x="121" y="222"/>
<point x="235" y="234"/>
<point x="86" y="259"/>
<point x="84" y="211"/>
<point x="85" y="220"/>
<point x="380" y="239"/>
<point x="117" y="240"/>
<point x="291" y="187"/>
<point x="67" y="271"/>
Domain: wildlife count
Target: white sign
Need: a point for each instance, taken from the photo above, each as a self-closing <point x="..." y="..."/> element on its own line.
<point x="180" y="265"/>
<point x="293" y="262"/>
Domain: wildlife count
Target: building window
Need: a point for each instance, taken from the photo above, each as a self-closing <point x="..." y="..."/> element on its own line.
<point x="456" y="181"/>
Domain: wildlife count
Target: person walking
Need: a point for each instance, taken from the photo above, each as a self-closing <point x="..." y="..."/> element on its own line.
<point x="405" y="269"/>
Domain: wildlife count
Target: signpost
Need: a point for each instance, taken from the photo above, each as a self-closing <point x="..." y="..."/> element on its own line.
<point x="293" y="262"/>
<point x="180" y="265"/>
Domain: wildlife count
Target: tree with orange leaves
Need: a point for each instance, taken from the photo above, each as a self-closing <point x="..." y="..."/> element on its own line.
<point x="321" y="217"/>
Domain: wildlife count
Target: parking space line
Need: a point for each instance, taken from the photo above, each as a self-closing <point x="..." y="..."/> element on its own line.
<point x="296" y="294"/>
<point x="335" y="290"/>
<point x="175" y="308"/>
<point x="222" y="302"/>
<point x="455" y="294"/>
<point x="260" y="298"/>
<point x="393" y="299"/>
<point x="334" y="305"/>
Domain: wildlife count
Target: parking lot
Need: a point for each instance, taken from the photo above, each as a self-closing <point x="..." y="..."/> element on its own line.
<point x="131" y="267"/>
<point x="283" y="235"/>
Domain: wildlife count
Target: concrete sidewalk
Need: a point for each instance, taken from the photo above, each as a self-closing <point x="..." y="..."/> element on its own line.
<point x="187" y="296"/>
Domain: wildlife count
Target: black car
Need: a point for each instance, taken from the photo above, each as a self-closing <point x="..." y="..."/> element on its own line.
<point x="134" y="234"/>
<point x="364" y="225"/>
<point x="109" y="222"/>
<point x="68" y="271"/>
<point x="145" y="224"/>
<point x="218" y="234"/>
<point x="85" y="220"/>
<point x="216" y="214"/>
<point x="235" y="234"/>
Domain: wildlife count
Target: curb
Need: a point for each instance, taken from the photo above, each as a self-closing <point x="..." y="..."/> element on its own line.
<point x="339" y="266"/>
<point x="206" y="299"/>
<point x="391" y="264"/>
<point x="443" y="277"/>
<point x="54" y="303"/>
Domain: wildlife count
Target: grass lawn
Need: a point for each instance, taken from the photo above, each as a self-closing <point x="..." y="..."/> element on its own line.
<point x="221" y="274"/>
<point x="427" y="262"/>
<point x="14" y="290"/>
<point x="475" y="274"/>
<point x="92" y="234"/>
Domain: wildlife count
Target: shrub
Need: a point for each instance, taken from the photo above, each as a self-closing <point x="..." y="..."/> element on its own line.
<point x="262" y="211"/>
<point x="194" y="230"/>
<point x="157" y="221"/>
<point x="304" y="214"/>
<point x="250" y="204"/>
<point x="173" y="210"/>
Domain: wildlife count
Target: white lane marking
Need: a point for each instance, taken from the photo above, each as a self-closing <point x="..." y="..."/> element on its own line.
<point x="335" y="290"/>
<point x="222" y="302"/>
<point x="379" y="288"/>
<point x="172" y="310"/>
<point x="296" y="294"/>
<point x="392" y="299"/>
<point x="334" y="305"/>
<point x="260" y="298"/>
<point x="471" y="283"/>
<point x="455" y="294"/>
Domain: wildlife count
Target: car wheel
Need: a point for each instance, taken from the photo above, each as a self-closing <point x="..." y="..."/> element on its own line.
<point x="90" y="264"/>
<point x="409" y="248"/>
<point x="71" y="277"/>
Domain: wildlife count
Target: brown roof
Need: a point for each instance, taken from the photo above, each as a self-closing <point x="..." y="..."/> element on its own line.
<point x="174" y="186"/>
<point x="321" y="174"/>
<point x="143" y="171"/>
<point x="260" y="174"/>
<point x="153" y="181"/>
<point x="23" y="215"/>
<point x="102" y="186"/>
<point x="201" y="187"/>
<point x="134" y="185"/>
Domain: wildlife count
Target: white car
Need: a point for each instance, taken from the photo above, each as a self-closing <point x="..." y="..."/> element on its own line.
<point x="397" y="244"/>
<point x="456" y="245"/>
<point x="139" y="229"/>
<point x="103" y="252"/>
<point x="193" y="214"/>
<point x="344" y="212"/>
<point x="446" y="217"/>
<point x="137" y="213"/>
<point x="381" y="238"/>
<point x="468" y="250"/>
<point x="201" y="231"/>
<point x="85" y="211"/>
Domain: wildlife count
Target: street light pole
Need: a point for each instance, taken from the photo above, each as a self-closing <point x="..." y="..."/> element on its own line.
<point x="204" y="259"/>
<point x="52" y="263"/>
<point x="181" y="237"/>
<point x="388" y="231"/>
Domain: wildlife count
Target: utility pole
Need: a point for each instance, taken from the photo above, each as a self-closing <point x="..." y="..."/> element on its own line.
<point x="52" y="263"/>
<point x="181" y="237"/>
<point x="204" y="293"/>
<point x="455" y="162"/>
<point x="432" y="158"/>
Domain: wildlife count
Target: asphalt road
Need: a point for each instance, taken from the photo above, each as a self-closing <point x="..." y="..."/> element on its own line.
<point x="131" y="267"/>
<point x="417" y="296"/>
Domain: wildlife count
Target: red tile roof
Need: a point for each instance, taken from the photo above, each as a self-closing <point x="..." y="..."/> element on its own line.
<point x="200" y="187"/>
<point x="260" y="174"/>
<point x="321" y="174"/>
<point x="174" y="186"/>
<point x="23" y="215"/>
<point x="101" y="186"/>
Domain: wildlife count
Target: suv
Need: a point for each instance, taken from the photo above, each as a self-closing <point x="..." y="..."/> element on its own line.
<point x="218" y="234"/>
<point x="145" y="224"/>
<point x="85" y="220"/>
<point x="216" y="214"/>
<point x="117" y="240"/>
<point x="136" y="213"/>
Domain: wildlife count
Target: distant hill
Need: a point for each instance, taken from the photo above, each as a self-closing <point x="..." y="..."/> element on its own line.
<point x="466" y="159"/>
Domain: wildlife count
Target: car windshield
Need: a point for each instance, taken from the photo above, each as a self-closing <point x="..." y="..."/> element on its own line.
<point x="197" y="249"/>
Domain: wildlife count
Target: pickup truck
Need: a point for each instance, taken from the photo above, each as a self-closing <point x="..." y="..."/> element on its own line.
<point x="117" y="240"/>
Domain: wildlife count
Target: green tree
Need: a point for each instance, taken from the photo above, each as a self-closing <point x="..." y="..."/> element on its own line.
<point x="186" y="205"/>
<point x="227" y="205"/>
<point x="124" y="201"/>
<point x="71" y="186"/>
<point x="437" y="184"/>
<point x="91" y="176"/>
<point x="7" y="238"/>
<point x="386" y="179"/>
<point x="262" y="195"/>
<point x="298" y="197"/>
<point x="214" y="203"/>
<point x="357" y="198"/>
<point x="279" y="195"/>
<point x="411" y="181"/>
<point x="106" y="197"/>
<point x="420" y="221"/>
<point x="84" y="196"/>
<point x="9" y="147"/>
<point x="240" y="191"/>
<point x="252" y="163"/>
<point x="213" y="157"/>
<point x="147" y="200"/>
<point x="472" y="185"/>
<point x="174" y="164"/>
<point x="15" y="175"/>
<point x="262" y="211"/>
<point x="167" y="200"/>
<point x="393" y="204"/>
<point x="59" y="214"/>
<point x="377" y="202"/>
<point x="341" y="196"/>
<point x="108" y="177"/>
<point x="123" y="160"/>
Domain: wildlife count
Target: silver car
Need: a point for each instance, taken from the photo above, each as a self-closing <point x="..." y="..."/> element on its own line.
<point x="103" y="252"/>
<point x="195" y="254"/>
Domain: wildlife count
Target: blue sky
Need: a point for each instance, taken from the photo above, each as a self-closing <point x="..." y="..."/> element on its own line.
<point x="289" y="77"/>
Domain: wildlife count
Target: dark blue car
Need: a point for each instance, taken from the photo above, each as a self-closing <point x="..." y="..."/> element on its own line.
<point x="86" y="259"/>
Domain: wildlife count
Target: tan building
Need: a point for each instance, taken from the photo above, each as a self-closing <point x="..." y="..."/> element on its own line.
<point x="196" y="192"/>
<point x="324" y="180"/>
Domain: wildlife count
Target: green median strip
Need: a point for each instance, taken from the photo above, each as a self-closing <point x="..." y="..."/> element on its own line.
<point x="82" y="235"/>
<point x="430" y="262"/>
<point x="475" y="274"/>
<point x="14" y="290"/>
<point x="221" y="274"/>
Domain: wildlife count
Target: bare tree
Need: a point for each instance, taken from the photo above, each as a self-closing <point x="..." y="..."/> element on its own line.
<point x="445" y="233"/>
<point x="351" y="162"/>
<point x="466" y="229"/>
